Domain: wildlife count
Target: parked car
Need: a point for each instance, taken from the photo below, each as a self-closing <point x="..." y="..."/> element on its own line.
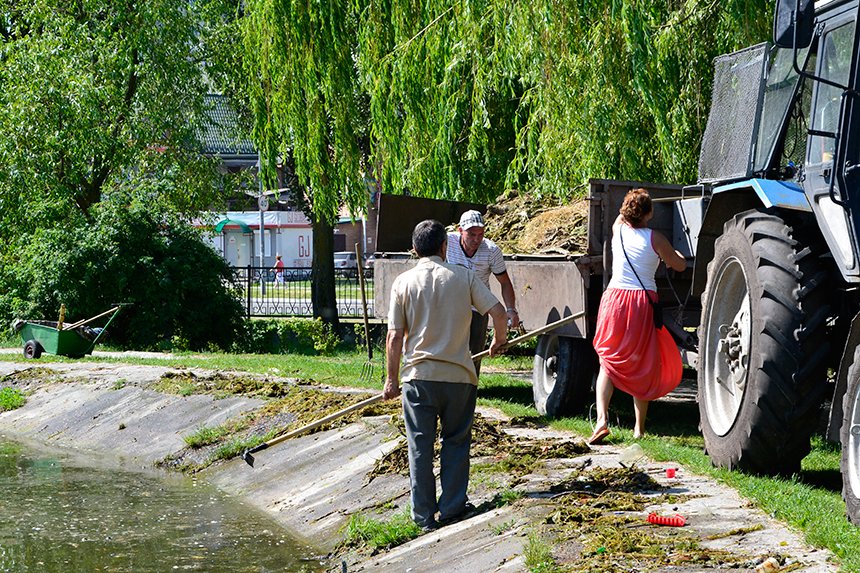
<point x="345" y="264"/>
<point x="368" y="265"/>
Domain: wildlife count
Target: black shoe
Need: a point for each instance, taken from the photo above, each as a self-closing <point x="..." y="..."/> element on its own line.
<point x="468" y="511"/>
<point x="431" y="525"/>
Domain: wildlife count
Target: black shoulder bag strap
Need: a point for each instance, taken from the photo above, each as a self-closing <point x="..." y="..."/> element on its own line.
<point x="655" y="307"/>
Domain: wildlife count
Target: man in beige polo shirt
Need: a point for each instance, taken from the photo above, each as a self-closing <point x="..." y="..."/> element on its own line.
<point x="428" y="326"/>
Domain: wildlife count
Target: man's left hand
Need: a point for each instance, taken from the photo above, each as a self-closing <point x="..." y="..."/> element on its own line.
<point x="496" y="346"/>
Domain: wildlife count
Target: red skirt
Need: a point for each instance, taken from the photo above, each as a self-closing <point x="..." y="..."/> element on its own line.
<point x="638" y="358"/>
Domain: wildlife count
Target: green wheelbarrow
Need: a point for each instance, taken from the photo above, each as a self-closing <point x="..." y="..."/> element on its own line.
<point x="74" y="340"/>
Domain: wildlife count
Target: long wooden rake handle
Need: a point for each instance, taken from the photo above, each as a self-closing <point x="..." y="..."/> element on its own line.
<point x="532" y="334"/>
<point x="249" y="458"/>
<point x="246" y="455"/>
<point x="85" y="321"/>
<point x="364" y="306"/>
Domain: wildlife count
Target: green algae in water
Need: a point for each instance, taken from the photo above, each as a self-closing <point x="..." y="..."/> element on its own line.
<point x="61" y="513"/>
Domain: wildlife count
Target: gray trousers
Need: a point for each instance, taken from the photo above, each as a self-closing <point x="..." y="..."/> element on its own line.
<point x="478" y="336"/>
<point x="454" y="406"/>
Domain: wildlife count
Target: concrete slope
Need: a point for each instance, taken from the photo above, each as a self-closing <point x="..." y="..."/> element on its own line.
<point x="84" y="407"/>
<point x="313" y="484"/>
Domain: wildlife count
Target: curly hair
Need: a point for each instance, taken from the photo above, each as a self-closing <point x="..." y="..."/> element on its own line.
<point x="636" y="206"/>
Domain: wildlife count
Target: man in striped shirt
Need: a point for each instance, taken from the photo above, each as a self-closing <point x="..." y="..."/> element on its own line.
<point x="469" y="248"/>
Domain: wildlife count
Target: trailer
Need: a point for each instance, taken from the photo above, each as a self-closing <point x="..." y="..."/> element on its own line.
<point x="552" y="287"/>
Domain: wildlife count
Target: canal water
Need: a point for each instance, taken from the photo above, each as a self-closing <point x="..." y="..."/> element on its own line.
<point x="62" y="512"/>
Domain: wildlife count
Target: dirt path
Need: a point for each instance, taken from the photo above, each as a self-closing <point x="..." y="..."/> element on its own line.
<point x="587" y="506"/>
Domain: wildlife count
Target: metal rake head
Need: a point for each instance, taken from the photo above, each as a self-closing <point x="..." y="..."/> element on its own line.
<point x="367" y="371"/>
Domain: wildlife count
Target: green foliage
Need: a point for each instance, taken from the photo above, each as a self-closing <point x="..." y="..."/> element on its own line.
<point x="591" y="89"/>
<point x="205" y="435"/>
<point x="176" y="284"/>
<point x="299" y="61"/>
<point x="93" y="97"/>
<point x="538" y="555"/>
<point x="508" y="497"/>
<point x="398" y="529"/>
<point x="292" y="335"/>
<point x="470" y="98"/>
<point x="234" y="447"/>
<point x="11" y="399"/>
<point x="443" y="112"/>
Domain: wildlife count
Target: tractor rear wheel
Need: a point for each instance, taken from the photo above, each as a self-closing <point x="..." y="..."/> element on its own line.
<point x="763" y="346"/>
<point x="849" y="436"/>
<point x="563" y="375"/>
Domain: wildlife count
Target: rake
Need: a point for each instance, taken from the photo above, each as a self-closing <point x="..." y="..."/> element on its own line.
<point x="367" y="368"/>
<point x="248" y="456"/>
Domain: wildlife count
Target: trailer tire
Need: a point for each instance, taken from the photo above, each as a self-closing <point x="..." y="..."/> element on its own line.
<point x="763" y="346"/>
<point x="563" y="375"/>
<point x="849" y="435"/>
<point x="32" y="349"/>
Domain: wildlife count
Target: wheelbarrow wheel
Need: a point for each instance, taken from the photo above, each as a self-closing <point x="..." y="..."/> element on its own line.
<point x="32" y="349"/>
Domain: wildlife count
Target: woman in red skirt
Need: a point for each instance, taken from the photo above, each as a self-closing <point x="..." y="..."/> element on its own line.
<point x="635" y="357"/>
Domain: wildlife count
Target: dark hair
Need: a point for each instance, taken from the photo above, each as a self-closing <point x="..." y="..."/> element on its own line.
<point x="636" y="206"/>
<point x="427" y="238"/>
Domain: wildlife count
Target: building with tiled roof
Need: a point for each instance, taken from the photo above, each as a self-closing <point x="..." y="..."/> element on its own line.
<point x="222" y="136"/>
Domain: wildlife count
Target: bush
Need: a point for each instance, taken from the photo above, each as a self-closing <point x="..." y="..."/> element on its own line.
<point x="179" y="287"/>
<point x="293" y="335"/>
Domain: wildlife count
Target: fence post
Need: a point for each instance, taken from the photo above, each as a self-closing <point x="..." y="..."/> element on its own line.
<point x="248" y="291"/>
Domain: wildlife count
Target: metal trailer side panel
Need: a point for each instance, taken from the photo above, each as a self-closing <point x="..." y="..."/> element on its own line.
<point x="546" y="291"/>
<point x="606" y="197"/>
<point x="386" y="268"/>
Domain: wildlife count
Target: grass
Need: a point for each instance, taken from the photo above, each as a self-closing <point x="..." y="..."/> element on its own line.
<point x="205" y="436"/>
<point x="11" y="399"/>
<point x="362" y="530"/>
<point x="810" y="502"/>
<point x="538" y="555"/>
<point x="347" y="287"/>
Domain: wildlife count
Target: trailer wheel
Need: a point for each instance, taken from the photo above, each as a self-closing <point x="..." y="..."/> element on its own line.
<point x="563" y="375"/>
<point x="849" y="435"/>
<point x="32" y="349"/>
<point x="763" y="346"/>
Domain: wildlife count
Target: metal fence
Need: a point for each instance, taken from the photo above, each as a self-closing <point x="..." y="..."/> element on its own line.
<point x="266" y="294"/>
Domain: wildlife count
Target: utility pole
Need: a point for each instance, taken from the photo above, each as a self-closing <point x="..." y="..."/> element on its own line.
<point x="262" y="197"/>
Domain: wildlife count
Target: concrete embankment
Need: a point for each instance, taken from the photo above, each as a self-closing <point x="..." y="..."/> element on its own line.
<point x="312" y="484"/>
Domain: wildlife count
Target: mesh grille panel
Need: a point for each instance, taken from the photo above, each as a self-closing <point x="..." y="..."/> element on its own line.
<point x="735" y="102"/>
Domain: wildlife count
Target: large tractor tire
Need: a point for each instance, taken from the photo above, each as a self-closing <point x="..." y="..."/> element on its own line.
<point x="563" y="375"/>
<point x="763" y="349"/>
<point x="850" y="438"/>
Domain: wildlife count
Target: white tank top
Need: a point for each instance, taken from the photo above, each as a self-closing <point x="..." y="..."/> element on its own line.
<point x="640" y="251"/>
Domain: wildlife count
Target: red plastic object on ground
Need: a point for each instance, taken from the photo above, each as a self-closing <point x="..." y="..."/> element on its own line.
<point x="673" y="521"/>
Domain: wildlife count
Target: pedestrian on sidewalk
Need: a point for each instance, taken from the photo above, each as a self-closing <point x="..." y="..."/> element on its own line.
<point x="428" y="327"/>
<point x="279" y="270"/>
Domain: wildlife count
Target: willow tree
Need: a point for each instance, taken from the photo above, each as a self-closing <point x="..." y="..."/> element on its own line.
<point x="443" y="116"/>
<point x="594" y="88"/>
<point x="303" y="88"/>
